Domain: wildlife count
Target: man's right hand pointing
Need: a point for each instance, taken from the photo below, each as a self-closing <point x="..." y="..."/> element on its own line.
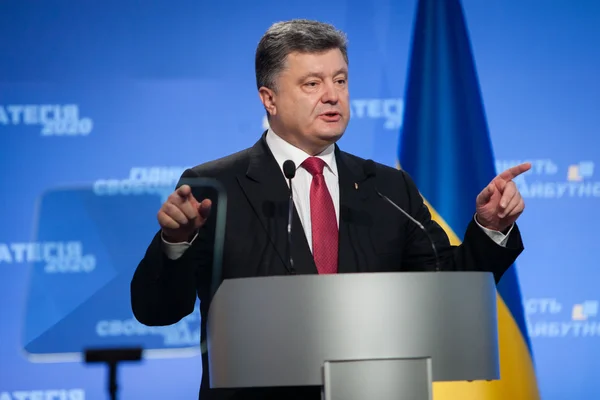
<point x="181" y="215"/>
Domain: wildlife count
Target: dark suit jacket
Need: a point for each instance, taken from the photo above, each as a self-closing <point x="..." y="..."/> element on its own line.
<point x="373" y="237"/>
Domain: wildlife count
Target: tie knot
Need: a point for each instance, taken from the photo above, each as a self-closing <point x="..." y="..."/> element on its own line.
<point x="314" y="165"/>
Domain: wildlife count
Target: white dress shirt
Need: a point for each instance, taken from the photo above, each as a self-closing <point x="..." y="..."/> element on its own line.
<point x="283" y="151"/>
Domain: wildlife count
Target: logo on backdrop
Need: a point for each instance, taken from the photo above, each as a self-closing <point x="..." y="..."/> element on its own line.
<point x="58" y="257"/>
<point x="149" y="180"/>
<point x="549" y="318"/>
<point x="388" y="110"/>
<point x="49" y="394"/>
<point x="549" y="180"/>
<point x="51" y="119"/>
<point x="185" y="332"/>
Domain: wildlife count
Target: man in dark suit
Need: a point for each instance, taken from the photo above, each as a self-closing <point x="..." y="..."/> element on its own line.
<point x="340" y="225"/>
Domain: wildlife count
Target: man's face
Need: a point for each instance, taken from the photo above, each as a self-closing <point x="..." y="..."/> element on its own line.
<point x="310" y="108"/>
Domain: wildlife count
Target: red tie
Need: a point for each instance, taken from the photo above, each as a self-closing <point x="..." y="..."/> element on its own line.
<point x="323" y="220"/>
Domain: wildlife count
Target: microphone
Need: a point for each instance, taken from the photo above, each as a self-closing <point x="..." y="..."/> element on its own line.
<point x="289" y="170"/>
<point x="370" y="171"/>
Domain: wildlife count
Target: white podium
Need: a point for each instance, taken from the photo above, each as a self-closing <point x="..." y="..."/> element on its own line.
<point x="358" y="336"/>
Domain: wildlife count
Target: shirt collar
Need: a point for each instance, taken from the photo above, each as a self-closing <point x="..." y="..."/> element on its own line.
<point x="283" y="151"/>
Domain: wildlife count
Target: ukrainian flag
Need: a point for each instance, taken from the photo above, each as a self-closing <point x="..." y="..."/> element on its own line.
<point x="445" y="147"/>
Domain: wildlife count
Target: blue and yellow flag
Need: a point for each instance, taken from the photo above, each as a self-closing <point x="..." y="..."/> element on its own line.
<point x="445" y="147"/>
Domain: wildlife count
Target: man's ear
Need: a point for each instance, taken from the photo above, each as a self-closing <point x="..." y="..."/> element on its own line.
<point x="267" y="97"/>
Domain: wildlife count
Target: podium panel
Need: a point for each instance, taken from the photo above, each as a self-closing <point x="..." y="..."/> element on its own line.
<point x="281" y="330"/>
<point x="381" y="379"/>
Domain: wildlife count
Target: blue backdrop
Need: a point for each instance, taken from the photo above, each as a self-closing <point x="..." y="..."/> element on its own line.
<point x="103" y="104"/>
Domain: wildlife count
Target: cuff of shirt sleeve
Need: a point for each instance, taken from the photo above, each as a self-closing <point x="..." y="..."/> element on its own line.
<point x="497" y="236"/>
<point x="175" y="250"/>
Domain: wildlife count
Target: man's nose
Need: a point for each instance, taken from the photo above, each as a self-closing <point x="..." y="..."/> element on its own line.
<point x="330" y="94"/>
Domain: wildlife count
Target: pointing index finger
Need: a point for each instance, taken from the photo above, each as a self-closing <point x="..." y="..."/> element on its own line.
<point x="515" y="171"/>
<point x="184" y="191"/>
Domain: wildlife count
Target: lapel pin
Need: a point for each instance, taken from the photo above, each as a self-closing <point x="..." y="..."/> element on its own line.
<point x="356" y="186"/>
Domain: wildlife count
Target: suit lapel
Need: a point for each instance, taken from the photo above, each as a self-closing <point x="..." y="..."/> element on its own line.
<point x="267" y="191"/>
<point x="355" y="221"/>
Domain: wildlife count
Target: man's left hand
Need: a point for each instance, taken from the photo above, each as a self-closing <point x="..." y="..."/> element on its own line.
<point x="500" y="203"/>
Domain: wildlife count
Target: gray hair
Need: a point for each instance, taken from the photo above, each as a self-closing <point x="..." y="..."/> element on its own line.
<point x="299" y="35"/>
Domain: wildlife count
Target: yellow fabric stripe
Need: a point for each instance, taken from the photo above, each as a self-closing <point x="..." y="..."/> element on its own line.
<point x="454" y="240"/>
<point x="517" y="374"/>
